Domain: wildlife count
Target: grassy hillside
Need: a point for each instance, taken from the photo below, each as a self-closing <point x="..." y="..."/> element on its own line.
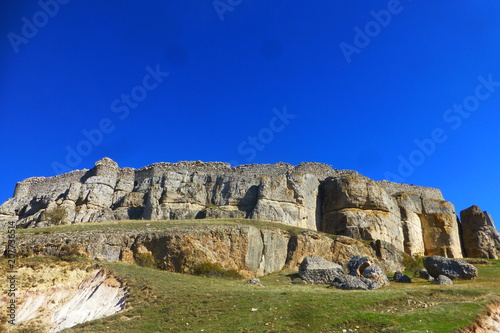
<point x="168" y="302"/>
<point x="162" y="301"/>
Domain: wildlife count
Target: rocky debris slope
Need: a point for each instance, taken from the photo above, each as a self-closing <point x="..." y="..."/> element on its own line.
<point x="480" y="237"/>
<point x="414" y="219"/>
<point x="245" y="248"/>
<point x="64" y="297"/>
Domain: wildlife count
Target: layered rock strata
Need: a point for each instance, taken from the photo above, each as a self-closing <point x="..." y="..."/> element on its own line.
<point x="248" y="249"/>
<point x="413" y="219"/>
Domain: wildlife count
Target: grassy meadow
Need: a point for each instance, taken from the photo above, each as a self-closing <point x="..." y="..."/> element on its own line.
<point x="161" y="301"/>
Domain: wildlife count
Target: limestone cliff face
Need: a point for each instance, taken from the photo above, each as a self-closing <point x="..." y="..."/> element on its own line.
<point x="310" y="195"/>
<point x="248" y="249"/>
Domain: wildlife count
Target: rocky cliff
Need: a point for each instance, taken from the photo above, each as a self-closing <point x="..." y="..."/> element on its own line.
<point x="414" y="219"/>
<point x="480" y="237"/>
<point x="252" y="251"/>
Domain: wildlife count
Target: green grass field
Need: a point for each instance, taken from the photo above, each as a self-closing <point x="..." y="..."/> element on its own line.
<point x="161" y="301"/>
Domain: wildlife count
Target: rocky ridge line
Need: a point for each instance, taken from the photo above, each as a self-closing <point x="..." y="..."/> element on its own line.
<point x="416" y="220"/>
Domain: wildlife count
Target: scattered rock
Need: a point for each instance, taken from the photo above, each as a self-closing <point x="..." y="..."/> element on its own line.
<point x="442" y="279"/>
<point x="254" y="281"/>
<point x="317" y="270"/>
<point x="350" y="282"/>
<point x="401" y="278"/>
<point x="358" y="264"/>
<point x="364" y="267"/>
<point x="374" y="272"/>
<point x="425" y="275"/>
<point x="452" y="268"/>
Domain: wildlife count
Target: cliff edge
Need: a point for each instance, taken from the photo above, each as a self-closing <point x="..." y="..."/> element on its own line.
<point x="416" y="220"/>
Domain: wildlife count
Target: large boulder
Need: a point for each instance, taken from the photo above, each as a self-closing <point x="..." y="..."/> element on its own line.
<point x="317" y="270"/>
<point x="374" y="272"/>
<point x="452" y="268"/>
<point x="366" y="268"/>
<point x="358" y="264"/>
<point x="349" y="282"/>
<point x="479" y="234"/>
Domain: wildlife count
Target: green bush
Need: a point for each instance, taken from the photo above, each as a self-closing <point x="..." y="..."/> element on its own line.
<point x="413" y="263"/>
<point x="56" y="215"/>
<point x="70" y="252"/>
<point x="209" y="269"/>
<point x="145" y="260"/>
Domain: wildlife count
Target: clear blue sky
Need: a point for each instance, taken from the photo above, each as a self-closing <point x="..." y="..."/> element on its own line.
<point x="405" y="90"/>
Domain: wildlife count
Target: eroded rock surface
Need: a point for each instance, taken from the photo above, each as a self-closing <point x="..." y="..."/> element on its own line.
<point x="365" y="267"/>
<point x="480" y="237"/>
<point x="65" y="297"/>
<point x="413" y="219"/>
<point x="248" y="249"/>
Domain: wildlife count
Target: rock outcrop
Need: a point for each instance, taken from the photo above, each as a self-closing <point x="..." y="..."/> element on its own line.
<point x="250" y="250"/>
<point x="413" y="219"/>
<point x="480" y="237"/>
<point x="65" y="296"/>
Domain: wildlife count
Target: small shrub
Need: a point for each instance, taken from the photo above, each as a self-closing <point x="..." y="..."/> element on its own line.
<point x="70" y="252"/>
<point x="145" y="260"/>
<point x="56" y="215"/>
<point x="209" y="269"/>
<point x="413" y="263"/>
